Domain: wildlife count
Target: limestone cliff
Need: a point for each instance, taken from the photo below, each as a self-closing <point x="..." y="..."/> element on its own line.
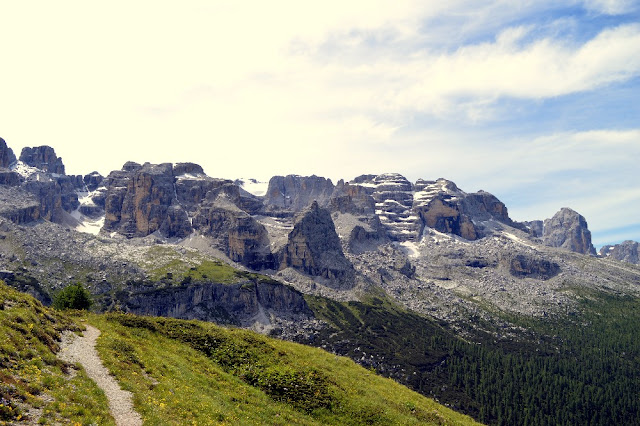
<point x="627" y="251"/>
<point x="7" y="157"/>
<point x="44" y="158"/>
<point x="139" y="202"/>
<point x="294" y="193"/>
<point x="237" y="233"/>
<point x="568" y="229"/>
<point x="314" y="248"/>
<point x="239" y="304"/>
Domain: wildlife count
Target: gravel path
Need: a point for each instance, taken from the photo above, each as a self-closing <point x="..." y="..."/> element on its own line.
<point x="83" y="350"/>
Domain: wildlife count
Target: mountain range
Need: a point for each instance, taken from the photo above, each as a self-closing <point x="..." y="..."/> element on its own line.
<point x="342" y="266"/>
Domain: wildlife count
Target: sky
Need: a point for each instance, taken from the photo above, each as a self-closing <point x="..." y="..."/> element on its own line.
<point x="533" y="101"/>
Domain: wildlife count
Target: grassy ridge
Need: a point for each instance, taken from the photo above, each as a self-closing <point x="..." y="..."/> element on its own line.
<point x="185" y="372"/>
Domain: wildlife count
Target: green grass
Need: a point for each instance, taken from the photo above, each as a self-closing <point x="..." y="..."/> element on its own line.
<point x="32" y="379"/>
<point x="173" y="267"/>
<point x="184" y="372"/>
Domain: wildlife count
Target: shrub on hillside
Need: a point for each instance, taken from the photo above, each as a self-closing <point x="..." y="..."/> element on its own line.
<point x="74" y="296"/>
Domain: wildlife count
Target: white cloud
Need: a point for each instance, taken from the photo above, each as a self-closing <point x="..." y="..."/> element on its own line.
<point x="611" y="7"/>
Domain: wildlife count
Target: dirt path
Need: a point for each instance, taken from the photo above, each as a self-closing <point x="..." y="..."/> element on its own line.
<point x="83" y="350"/>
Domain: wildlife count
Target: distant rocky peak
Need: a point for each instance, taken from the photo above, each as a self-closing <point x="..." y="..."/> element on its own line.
<point x="627" y="251"/>
<point x="7" y="157"/>
<point x="44" y="158"/>
<point x="426" y="190"/>
<point x="568" y="229"/>
<point x="131" y="166"/>
<point x="314" y="247"/>
<point x="294" y="192"/>
<point x="181" y="169"/>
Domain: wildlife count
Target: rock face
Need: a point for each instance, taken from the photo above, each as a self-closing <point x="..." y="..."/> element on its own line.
<point x="92" y="181"/>
<point x="238" y="304"/>
<point x="7" y="157"/>
<point x="8" y="177"/>
<point x="239" y="235"/>
<point x="523" y="266"/>
<point x="568" y="229"/>
<point x="18" y="206"/>
<point x="314" y="247"/>
<point x="353" y="199"/>
<point x="294" y="192"/>
<point x="139" y="201"/>
<point x="44" y="158"/>
<point x="627" y="251"/>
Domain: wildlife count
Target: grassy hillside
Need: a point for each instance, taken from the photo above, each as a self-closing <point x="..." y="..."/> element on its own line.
<point x="34" y="384"/>
<point x="183" y="372"/>
<point x="188" y="372"/>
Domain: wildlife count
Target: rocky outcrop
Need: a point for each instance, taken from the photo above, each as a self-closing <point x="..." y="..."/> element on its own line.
<point x="534" y="228"/>
<point x="485" y="206"/>
<point x="192" y="169"/>
<point x="138" y="201"/>
<point x="69" y="187"/>
<point x="238" y="304"/>
<point x="7" y="157"/>
<point x="393" y="198"/>
<point x="314" y="248"/>
<point x="627" y="251"/>
<point x="47" y="191"/>
<point x="294" y="192"/>
<point x="92" y="181"/>
<point x="238" y="234"/>
<point x="568" y="229"/>
<point x="176" y="223"/>
<point x="444" y="215"/>
<point x="44" y="158"/>
<point x="526" y="266"/>
<point x="8" y="177"/>
<point x="18" y="206"/>
<point x="354" y="199"/>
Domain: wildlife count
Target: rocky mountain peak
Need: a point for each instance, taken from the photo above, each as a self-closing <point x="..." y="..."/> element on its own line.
<point x="7" y="157"/>
<point x="294" y="192"/>
<point x="627" y="251"/>
<point x="44" y="158"/>
<point x="180" y="169"/>
<point x="314" y="247"/>
<point x="568" y="229"/>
